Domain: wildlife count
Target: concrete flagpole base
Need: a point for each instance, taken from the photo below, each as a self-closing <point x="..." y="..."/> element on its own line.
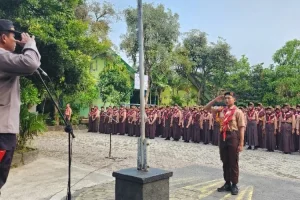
<point x="133" y="184"/>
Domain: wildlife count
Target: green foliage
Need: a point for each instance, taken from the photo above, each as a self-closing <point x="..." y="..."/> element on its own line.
<point x="161" y="31"/>
<point x="115" y="84"/>
<point x="205" y="65"/>
<point x="29" y="93"/>
<point x="31" y="124"/>
<point x="177" y="99"/>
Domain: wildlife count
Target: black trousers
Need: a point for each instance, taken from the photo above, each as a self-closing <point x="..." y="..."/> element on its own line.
<point x="8" y="143"/>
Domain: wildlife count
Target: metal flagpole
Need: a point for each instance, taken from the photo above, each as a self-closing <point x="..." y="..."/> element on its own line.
<point x="142" y="142"/>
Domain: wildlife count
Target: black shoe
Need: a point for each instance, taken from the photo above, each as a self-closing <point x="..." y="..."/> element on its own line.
<point x="234" y="190"/>
<point x="249" y="147"/>
<point x="224" y="188"/>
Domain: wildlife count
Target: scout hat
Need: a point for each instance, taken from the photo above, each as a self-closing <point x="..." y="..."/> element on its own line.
<point x="7" y="25"/>
<point x="269" y="108"/>
<point x="298" y="106"/>
<point x="277" y="107"/>
<point x="250" y="104"/>
<point x="259" y="104"/>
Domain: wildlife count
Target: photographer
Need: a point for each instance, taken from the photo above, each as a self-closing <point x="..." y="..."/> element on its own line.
<point x="11" y="67"/>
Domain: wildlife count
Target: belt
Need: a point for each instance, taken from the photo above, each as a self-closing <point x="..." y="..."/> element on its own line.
<point x="230" y="132"/>
<point x="286" y="122"/>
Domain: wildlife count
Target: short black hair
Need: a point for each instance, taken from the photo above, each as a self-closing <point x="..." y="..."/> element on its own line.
<point x="4" y="33"/>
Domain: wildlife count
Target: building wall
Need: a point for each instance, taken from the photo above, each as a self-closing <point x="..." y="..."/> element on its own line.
<point x="97" y="67"/>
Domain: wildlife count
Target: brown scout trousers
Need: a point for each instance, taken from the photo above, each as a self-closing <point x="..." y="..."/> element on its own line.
<point x="230" y="156"/>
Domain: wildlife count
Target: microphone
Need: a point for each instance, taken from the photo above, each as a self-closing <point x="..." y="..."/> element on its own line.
<point x="43" y="72"/>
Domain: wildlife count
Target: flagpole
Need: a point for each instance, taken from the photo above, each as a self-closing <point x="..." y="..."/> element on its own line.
<point x="142" y="142"/>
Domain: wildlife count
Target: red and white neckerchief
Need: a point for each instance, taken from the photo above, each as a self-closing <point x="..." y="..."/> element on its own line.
<point x="166" y="114"/>
<point x="187" y="115"/>
<point x="175" y="113"/>
<point x="286" y="115"/>
<point x="278" y="114"/>
<point x="270" y="117"/>
<point x="227" y="118"/>
<point x="251" y="113"/>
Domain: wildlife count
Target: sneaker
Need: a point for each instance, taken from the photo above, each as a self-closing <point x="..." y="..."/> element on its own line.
<point x="224" y="188"/>
<point x="234" y="190"/>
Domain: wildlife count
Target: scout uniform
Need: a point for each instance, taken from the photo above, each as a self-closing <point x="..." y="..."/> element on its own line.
<point x="287" y="125"/>
<point x="261" y="117"/>
<point x="252" y="120"/>
<point x="270" y="127"/>
<point x="229" y="142"/>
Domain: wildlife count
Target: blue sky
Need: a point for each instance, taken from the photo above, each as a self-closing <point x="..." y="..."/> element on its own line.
<point x="256" y="28"/>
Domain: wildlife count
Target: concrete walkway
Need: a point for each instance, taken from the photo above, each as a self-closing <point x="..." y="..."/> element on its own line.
<point x="47" y="179"/>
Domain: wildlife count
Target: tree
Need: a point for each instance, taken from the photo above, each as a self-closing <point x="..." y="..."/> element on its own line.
<point x="207" y="64"/>
<point x="99" y="16"/>
<point x="238" y="79"/>
<point x="67" y="43"/>
<point x="161" y="31"/>
<point x="115" y="84"/>
<point x="287" y="69"/>
<point x="31" y="124"/>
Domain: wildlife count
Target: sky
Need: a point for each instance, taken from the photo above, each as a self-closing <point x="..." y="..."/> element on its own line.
<point x="255" y="28"/>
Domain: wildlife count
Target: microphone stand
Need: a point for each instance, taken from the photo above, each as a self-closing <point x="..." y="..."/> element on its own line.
<point x="112" y="119"/>
<point x="69" y="130"/>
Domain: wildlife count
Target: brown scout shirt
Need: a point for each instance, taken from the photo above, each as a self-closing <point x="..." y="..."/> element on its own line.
<point x="238" y="119"/>
<point x="11" y="67"/>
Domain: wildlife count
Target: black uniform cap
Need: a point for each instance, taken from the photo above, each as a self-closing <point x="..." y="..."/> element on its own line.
<point x="7" y="25"/>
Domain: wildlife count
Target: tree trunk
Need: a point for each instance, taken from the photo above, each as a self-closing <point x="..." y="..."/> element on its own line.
<point x="56" y="115"/>
<point x="199" y="97"/>
<point x="43" y="107"/>
<point x="159" y="97"/>
<point x="148" y="91"/>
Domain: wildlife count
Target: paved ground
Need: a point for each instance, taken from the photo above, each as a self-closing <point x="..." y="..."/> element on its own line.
<point x="196" y="170"/>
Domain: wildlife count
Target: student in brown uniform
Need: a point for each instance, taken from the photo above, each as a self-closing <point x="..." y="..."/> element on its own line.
<point x="287" y="125"/>
<point x="96" y="119"/>
<point x="187" y="121"/>
<point x="278" y="134"/>
<point x="152" y="123"/>
<point x="261" y="116"/>
<point x="115" y="120"/>
<point x="231" y="141"/>
<point x="110" y="117"/>
<point x="295" y="136"/>
<point x="137" y="129"/>
<point x="270" y="127"/>
<point x="159" y="124"/>
<point x="90" y="115"/>
<point x="245" y="115"/>
<point x="252" y="121"/>
<point x="196" y="126"/>
<point x="165" y="120"/>
<point x="217" y="125"/>
<point x="131" y="121"/>
<point x="101" y="123"/>
<point x="206" y="124"/>
<point x="297" y="118"/>
<point x="122" y="122"/>
<point x="176" y="123"/>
